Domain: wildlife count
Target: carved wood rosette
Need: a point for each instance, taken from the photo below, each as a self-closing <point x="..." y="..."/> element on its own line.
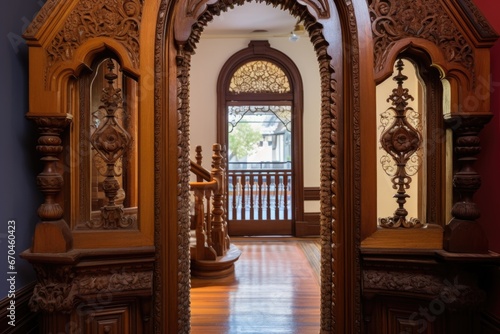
<point x="463" y="234"/>
<point x="50" y="182"/>
<point x="111" y="141"/>
<point x="400" y="140"/>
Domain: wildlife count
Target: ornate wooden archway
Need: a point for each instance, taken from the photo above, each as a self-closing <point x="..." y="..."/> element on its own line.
<point x="356" y="44"/>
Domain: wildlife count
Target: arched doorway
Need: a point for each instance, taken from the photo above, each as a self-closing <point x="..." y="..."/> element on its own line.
<point x="264" y="191"/>
<point x="340" y="305"/>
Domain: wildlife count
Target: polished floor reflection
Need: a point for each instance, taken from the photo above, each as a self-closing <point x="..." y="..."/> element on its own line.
<point x="274" y="290"/>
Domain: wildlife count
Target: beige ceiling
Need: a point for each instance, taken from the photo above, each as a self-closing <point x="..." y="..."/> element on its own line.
<point x="243" y="21"/>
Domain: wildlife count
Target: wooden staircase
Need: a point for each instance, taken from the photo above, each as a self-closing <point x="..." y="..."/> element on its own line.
<point x="212" y="254"/>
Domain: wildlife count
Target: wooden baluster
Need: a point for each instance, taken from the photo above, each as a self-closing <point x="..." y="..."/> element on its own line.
<point x="234" y="195"/>
<point x="285" y="195"/>
<point x="52" y="233"/>
<point x="204" y="251"/>
<point x="208" y="217"/>
<point x="251" y="185"/>
<point x="260" y="208"/>
<point x="276" y="196"/>
<point x="463" y="234"/>
<point x="199" y="159"/>
<point x="218" y="230"/>
<point x="199" y="214"/>
<point x="223" y="167"/>
<point x="243" y="197"/>
<point x="268" y="189"/>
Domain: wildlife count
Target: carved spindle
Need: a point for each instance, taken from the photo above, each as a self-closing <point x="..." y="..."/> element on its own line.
<point x="52" y="234"/>
<point x="199" y="156"/>
<point x="401" y="140"/>
<point x="199" y="160"/>
<point x="111" y="141"/>
<point x="218" y="228"/>
<point x="223" y="166"/>
<point x="463" y="234"/>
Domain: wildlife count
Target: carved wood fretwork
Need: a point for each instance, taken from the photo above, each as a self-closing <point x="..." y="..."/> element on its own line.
<point x="119" y="20"/>
<point x="111" y="141"/>
<point x="401" y="141"/>
<point x="395" y="20"/>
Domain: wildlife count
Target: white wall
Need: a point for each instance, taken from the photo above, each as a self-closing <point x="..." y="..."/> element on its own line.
<point x="211" y="54"/>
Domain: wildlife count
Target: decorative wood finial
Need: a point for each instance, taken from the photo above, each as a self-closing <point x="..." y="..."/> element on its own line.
<point x="401" y="140"/>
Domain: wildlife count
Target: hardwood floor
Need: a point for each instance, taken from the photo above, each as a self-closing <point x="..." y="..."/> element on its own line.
<point x="273" y="290"/>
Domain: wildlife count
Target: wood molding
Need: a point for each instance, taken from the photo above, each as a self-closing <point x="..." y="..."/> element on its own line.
<point x="26" y="321"/>
<point x="311" y="194"/>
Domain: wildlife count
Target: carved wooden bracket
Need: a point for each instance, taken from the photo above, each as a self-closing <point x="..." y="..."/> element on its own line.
<point x="52" y="234"/>
<point x="463" y="234"/>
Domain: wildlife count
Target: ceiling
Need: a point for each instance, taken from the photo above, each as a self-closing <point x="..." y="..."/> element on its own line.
<point x="252" y="19"/>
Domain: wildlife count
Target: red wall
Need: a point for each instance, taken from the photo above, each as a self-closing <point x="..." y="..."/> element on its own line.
<point x="488" y="164"/>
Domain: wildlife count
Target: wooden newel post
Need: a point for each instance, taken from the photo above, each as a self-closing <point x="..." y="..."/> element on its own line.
<point x="463" y="234"/>
<point x="218" y="223"/>
<point x="52" y="233"/>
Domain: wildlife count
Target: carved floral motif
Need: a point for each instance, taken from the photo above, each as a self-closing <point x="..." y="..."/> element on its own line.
<point x="59" y="286"/>
<point x="395" y="20"/>
<point x="456" y="292"/>
<point x="114" y="282"/>
<point x="117" y="19"/>
<point x="54" y="291"/>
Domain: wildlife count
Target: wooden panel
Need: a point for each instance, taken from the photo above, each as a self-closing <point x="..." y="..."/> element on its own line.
<point x="114" y="320"/>
<point x="311" y="194"/>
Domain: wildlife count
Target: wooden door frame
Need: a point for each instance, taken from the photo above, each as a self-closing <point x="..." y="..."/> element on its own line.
<point x="179" y="28"/>
<point x="262" y="50"/>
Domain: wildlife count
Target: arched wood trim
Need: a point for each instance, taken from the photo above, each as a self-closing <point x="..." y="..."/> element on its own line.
<point x="338" y="287"/>
<point x="343" y="42"/>
<point x="261" y="50"/>
<point x="85" y="55"/>
<point x="438" y="60"/>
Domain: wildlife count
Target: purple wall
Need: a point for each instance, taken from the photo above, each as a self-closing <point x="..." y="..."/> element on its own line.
<point x="19" y="197"/>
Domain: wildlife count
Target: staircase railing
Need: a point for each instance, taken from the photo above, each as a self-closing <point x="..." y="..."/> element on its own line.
<point x="209" y="219"/>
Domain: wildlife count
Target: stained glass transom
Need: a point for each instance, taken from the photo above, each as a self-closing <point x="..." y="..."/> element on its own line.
<point x="259" y="77"/>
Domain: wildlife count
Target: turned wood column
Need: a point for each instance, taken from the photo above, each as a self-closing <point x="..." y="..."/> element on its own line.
<point x="463" y="234"/>
<point x="218" y="224"/>
<point x="52" y="233"/>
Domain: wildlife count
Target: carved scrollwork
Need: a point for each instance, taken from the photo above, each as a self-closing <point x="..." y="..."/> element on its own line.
<point x="59" y="286"/>
<point x="401" y="140"/>
<point x="115" y="282"/>
<point x="395" y="20"/>
<point x="456" y="292"/>
<point x="119" y="19"/>
<point x="54" y="291"/>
